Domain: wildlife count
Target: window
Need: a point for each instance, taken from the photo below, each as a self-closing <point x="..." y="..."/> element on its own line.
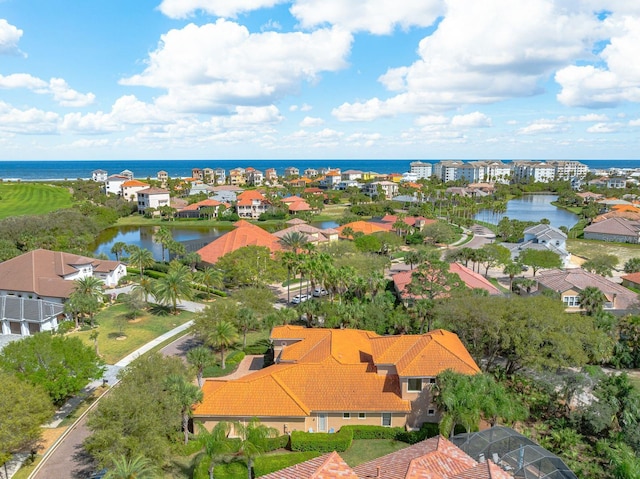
<point x="571" y="301"/>
<point x="415" y="385"/>
<point x="386" y="419"/>
<point x="362" y="415"/>
<point x="346" y="415"/>
<point x="432" y="380"/>
<point x="431" y="412"/>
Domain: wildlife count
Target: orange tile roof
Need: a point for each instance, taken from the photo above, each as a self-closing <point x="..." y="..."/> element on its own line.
<point x="132" y="183"/>
<point x="291" y="199"/>
<point x="628" y="208"/>
<point x="201" y="204"/>
<point x="301" y="205"/>
<point x="364" y="227"/>
<point x="245" y="234"/>
<point x="251" y="195"/>
<point x="327" y="466"/>
<point x="470" y="278"/>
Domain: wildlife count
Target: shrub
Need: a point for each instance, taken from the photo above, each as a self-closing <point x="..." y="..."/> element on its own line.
<point x="259" y="347"/>
<point x="426" y="431"/>
<point x="321" y="441"/>
<point x="269" y="444"/>
<point x="235" y="357"/>
<point x="192" y="447"/>
<point x="373" y="432"/>
<point x="267" y="464"/>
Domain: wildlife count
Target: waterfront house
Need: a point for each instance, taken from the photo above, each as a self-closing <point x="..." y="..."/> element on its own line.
<point x="129" y="189"/>
<point x="570" y="283"/>
<point x="162" y="176"/>
<point x="201" y="208"/>
<point x="127" y="173"/>
<point x="251" y="204"/>
<point x="364" y="227"/>
<point x="615" y="229"/>
<point x="35" y="285"/>
<point x="244" y="234"/>
<point x="330" y="180"/>
<point x="99" y="176"/>
<point x="291" y="171"/>
<point x="389" y="189"/>
<point x="311" y="233"/>
<point x="271" y="175"/>
<point x="152" y="198"/>
<point x="324" y="379"/>
<point x="542" y="237"/>
<point x="113" y="184"/>
<point x="311" y="172"/>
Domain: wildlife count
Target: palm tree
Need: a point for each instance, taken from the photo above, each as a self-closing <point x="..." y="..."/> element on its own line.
<point x="94" y="337"/>
<point x="141" y="258"/>
<point x="348" y="232"/>
<point x="592" y="300"/>
<point x="163" y="237"/>
<point x="512" y="269"/>
<point x="144" y="288"/>
<point x="215" y="443"/>
<point x="252" y="436"/>
<point x="89" y="292"/>
<point x="175" y="285"/>
<point x="118" y="248"/>
<point x="186" y="394"/>
<point x="223" y="335"/>
<point x="199" y="357"/>
<point x="294" y="241"/>
<point x="290" y="260"/>
<point x="246" y="321"/>
<point x="210" y="277"/>
<point x="191" y="259"/>
<point x="138" y="467"/>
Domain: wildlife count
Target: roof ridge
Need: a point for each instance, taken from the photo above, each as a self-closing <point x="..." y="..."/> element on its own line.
<point x="326" y="461"/>
<point x="472" y="366"/>
<point x="290" y="393"/>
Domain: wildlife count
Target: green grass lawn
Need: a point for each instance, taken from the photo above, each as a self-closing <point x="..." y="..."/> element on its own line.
<point x="364" y="450"/>
<point x="113" y="323"/>
<point x="589" y="248"/>
<point x="32" y="199"/>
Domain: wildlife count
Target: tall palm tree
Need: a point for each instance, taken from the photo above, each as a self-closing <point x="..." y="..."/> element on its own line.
<point x="138" y="467"/>
<point x="290" y="260"/>
<point x="191" y="259"/>
<point x="141" y="258"/>
<point x="163" y="237"/>
<point x="89" y="291"/>
<point x="223" y="335"/>
<point x="175" y="285"/>
<point x="252" y="436"/>
<point x="511" y="269"/>
<point x="145" y="288"/>
<point x="199" y="357"/>
<point x="186" y="395"/>
<point x="294" y="241"/>
<point x="216" y="446"/>
<point x="118" y="248"/>
<point x="209" y="277"/>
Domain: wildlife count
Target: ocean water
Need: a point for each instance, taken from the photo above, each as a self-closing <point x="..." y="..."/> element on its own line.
<point x="56" y="170"/>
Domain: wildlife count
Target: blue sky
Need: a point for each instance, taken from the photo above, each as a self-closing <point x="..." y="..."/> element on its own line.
<point x="244" y="79"/>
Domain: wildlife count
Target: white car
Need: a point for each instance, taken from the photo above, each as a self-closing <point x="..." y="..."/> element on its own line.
<point x="299" y="298"/>
<point x="320" y="292"/>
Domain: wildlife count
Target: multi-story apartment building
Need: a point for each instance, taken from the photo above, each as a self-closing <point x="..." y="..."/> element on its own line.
<point x="219" y="176"/>
<point x="421" y="169"/>
<point x="447" y="170"/>
<point x="534" y="171"/>
<point x="566" y="170"/>
<point x="254" y="177"/>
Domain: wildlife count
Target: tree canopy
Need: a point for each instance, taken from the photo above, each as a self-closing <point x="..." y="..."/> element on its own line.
<point x="540" y="259"/>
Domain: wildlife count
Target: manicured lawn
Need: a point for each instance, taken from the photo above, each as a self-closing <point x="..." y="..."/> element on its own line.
<point x="589" y="248"/>
<point x="363" y="450"/>
<point x="113" y="324"/>
<point x="32" y="199"/>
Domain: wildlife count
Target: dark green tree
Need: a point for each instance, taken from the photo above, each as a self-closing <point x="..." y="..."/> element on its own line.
<point x="540" y="259"/>
<point x="186" y="395"/>
<point x="602" y="264"/>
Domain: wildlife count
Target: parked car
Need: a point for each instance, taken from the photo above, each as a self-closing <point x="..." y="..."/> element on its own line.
<point x="299" y="298"/>
<point x="98" y="474"/>
<point x="320" y="292"/>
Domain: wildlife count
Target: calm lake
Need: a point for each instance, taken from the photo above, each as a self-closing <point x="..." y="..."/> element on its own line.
<point x="193" y="238"/>
<point x="532" y="208"/>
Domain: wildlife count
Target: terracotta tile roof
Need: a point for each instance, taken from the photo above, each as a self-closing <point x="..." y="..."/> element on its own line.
<point x="153" y="191"/>
<point x="424" y="355"/>
<point x="409" y="220"/>
<point x="615" y="226"/>
<point x="328" y="466"/>
<point x="472" y="279"/>
<point x="629" y="215"/>
<point x="245" y="234"/>
<point x="251" y="195"/>
<point x="201" y="204"/>
<point x="296" y="221"/>
<point x="132" y="183"/>
<point x="301" y="205"/>
<point x="312" y="234"/>
<point x="291" y="199"/>
<point x="364" y="227"/>
<point x="41" y="272"/>
<point x="628" y="208"/>
<point x="484" y="470"/>
<point x="633" y="277"/>
<point x="578" y="279"/>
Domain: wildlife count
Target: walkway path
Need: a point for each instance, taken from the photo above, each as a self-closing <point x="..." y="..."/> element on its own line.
<point x="66" y="459"/>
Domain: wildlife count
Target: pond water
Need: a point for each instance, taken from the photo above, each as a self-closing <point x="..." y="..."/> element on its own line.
<point x="193" y="238"/>
<point x="532" y="208"/>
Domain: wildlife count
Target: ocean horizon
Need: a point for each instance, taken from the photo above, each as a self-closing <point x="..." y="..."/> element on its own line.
<point x="56" y="170"/>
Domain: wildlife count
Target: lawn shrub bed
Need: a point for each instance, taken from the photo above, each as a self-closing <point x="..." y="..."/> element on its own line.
<point x="235" y="357"/>
<point x="321" y="441"/>
<point x="269" y="444"/>
<point x="374" y="432"/>
<point x="264" y="465"/>
<point x="426" y="431"/>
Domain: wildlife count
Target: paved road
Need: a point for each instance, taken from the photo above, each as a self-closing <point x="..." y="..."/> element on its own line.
<point x="68" y="460"/>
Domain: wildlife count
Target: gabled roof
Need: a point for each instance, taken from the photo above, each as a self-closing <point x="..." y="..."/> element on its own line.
<point x="153" y="191"/>
<point x="301" y="205"/>
<point x="245" y="234"/>
<point x="470" y="278"/>
<point x="327" y="466"/>
<point x="202" y="204"/>
<point x="578" y="279"/>
<point x="615" y="226"/>
<point x="42" y="272"/>
<point x="134" y="183"/>
<point x="547" y="232"/>
<point x="364" y="227"/>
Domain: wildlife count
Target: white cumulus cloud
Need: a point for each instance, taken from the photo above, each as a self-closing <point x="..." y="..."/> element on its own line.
<point x="212" y="68"/>
<point x="471" y="120"/>
<point x="31" y="121"/>
<point x="9" y="38"/>
<point x="56" y="87"/>
<point x="310" y="121"/>
<point x="219" y="8"/>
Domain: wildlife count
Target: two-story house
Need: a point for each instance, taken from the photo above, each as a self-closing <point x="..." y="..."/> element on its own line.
<point x="251" y="204"/>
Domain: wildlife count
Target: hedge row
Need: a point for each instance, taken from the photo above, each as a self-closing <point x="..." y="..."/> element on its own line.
<point x="272" y="443"/>
<point x="235" y="357"/>
<point x="321" y="441"/>
<point x="373" y="432"/>
<point x="264" y="465"/>
<point x="426" y="431"/>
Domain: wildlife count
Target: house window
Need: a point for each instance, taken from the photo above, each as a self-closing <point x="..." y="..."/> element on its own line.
<point x="415" y="385"/>
<point x="432" y="380"/>
<point x="386" y="419"/>
<point x="362" y="415"/>
<point x="431" y="412"/>
<point x="571" y="301"/>
<point x="346" y="415"/>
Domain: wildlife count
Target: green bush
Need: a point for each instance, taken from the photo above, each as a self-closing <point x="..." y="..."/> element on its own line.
<point x="267" y="464"/>
<point x="259" y="347"/>
<point x="321" y="441"/>
<point x="193" y="446"/>
<point x="235" y="357"/>
<point x="272" y="443"/>
<point x="426" y="431"/>
<point x="231" y="470"/>
<point x="373" y="432"/>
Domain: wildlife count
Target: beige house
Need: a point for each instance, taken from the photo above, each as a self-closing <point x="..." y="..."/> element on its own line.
<point x="152" y="198"/>
<point x="324" y="379"/>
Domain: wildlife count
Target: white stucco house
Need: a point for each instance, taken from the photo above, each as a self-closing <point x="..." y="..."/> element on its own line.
<point x="34" y="287"/>
<point x="152" y="198"/>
